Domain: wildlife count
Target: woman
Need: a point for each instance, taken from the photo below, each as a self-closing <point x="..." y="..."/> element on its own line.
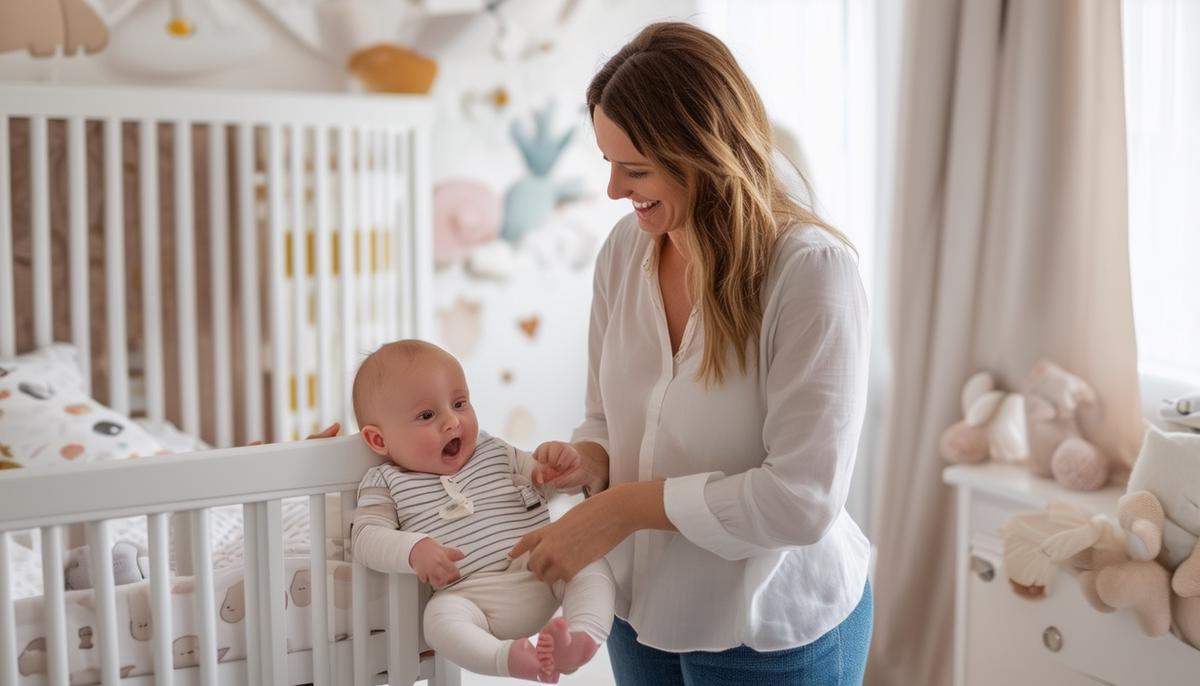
<point x="726" y="392"/>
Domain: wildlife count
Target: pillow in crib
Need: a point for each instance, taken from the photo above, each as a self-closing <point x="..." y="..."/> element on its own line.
<point x="47" y="419"/>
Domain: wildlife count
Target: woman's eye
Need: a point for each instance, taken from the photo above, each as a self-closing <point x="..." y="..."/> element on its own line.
<point x="637" y="175"/>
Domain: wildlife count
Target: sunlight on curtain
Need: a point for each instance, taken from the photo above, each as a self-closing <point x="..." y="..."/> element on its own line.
<point x="1162" y="102"/>
<point x="819" y="66"/>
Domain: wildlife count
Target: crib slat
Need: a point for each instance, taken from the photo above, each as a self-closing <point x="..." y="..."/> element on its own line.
<point x="249" y="286"/>
<point x="151" y="269"/>
<point x="106" y="605"/>
<point x="8" y="328"/>
<point x="361" y="633"/>
<point x="114" y="266"/>
<point x="277" y="288"/>
<point x="348" y="501"/>
<point x="379" y="230"/>
<point x="390" y="226"/>
<point x="206" y="625"/>
<point x="324" y="278"/>
<point x="404" y="237"/>
<point x="421" y="203"/>
<point x="318" y="610"/>
<point x="185" y="274"/>
<point x="77" y="218"/>
<point x="39" y="182"/>
<point x="363" y="244"/>
<point x="254" y="668"/>
<point x="218" y="203"/>
<point x="274" y="643"/>
<point x="403" y="657"/>
<point x="299" y="279"/>
<point x="158" y="526"/>
<point x="345" y="235"/>
<point x="8" y="623"/>
<point x="55" y="609"/>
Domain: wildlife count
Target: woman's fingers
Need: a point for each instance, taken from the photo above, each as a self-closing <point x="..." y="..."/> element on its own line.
<point x="527" y="543"/>
<point x="328" y="432"/>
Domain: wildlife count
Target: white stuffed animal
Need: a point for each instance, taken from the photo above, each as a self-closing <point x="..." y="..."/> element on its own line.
<point x="993" y="425"/>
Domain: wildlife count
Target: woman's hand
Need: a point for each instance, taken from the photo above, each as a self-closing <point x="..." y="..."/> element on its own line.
<point x="592" y="528"/>
<point x="328" y="432"/>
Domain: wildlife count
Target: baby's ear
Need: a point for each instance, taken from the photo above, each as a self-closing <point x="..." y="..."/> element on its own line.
<point x="373" y="437"/>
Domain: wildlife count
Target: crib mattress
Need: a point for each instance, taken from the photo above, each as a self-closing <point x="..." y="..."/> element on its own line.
<point x="135" y="623"/>
<point x="136" y="626"/>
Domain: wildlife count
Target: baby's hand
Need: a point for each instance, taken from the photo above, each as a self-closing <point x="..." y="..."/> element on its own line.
<point x="555" y="460"/>
<point x="434" y="564"/>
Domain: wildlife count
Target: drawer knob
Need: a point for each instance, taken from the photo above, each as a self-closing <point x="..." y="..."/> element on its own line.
<point x="982" y="568"/>
<point x="1052" y="639"/>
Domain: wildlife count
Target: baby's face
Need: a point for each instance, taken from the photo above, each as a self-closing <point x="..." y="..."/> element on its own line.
<point x="428" y="423"/>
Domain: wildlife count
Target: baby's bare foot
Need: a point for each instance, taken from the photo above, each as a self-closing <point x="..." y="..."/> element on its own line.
<point x="524" y="663"/>
<point x="561" y="651"/>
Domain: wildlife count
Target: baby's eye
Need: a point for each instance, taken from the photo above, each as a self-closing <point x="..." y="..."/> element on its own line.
<point x="425" y="416"/>
<point x="458" y="405"/>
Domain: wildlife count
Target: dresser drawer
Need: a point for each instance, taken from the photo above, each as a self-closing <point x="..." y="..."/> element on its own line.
<point x="1061" y="639"/>
<point x="1003" y="638"/>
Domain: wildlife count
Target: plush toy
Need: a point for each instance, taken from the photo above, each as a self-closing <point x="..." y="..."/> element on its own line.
<point x="530" y="200"/>
<point x="1053" y="397"/>
<point x="993" y="425"/>
<point x="128" y="567"/>
<point x="1160" y="581"/>
<point x="1037" y="544"/>
<point x="387" y="68"/>
<point x="466" y="213"/>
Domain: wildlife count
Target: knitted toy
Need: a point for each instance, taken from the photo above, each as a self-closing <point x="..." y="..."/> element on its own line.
<point x="1159" y="514"/>
<point x="993" y="425"/>
<point x="1053" y="396"/>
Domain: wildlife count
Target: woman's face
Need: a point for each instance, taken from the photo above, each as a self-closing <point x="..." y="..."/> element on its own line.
<point x="660" y="202"/>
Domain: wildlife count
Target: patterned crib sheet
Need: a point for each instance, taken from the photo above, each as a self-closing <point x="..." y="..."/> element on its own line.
<point x="136" y="625"/>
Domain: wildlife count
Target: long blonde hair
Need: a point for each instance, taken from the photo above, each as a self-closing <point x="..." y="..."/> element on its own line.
<point x="684" y="102"/>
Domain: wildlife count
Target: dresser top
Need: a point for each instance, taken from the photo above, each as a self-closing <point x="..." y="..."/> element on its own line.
<point x="1015" y="482"/>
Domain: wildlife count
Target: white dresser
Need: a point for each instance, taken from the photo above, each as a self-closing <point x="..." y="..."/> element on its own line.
<point x="1059" y="640"/>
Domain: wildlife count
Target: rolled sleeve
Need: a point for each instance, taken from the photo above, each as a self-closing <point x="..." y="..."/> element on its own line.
<point x="686" y="504"/>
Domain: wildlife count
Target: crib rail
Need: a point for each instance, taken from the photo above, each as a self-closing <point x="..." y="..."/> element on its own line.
<point x="258" y="478"/>
<point x="310" y="200"/>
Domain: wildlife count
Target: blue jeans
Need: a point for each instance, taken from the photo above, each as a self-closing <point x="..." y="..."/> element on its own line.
<point x="837" y="658"/>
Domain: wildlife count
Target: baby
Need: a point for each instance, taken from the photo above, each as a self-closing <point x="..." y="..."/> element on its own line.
<point x="450" y="505"/>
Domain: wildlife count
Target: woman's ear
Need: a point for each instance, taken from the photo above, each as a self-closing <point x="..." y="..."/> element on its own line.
<point x="373" y="437"/>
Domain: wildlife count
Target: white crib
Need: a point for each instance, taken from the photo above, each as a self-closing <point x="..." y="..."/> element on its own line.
<point x="318" y="222"/>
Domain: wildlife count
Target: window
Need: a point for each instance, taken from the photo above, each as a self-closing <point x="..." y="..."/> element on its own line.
<point x="1162" y="104"/>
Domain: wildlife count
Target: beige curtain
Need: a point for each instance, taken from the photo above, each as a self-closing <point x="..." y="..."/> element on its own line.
<point x="1009" y="244"/>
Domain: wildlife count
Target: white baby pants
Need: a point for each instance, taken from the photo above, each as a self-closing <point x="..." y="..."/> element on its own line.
<point x="474" y="622"/>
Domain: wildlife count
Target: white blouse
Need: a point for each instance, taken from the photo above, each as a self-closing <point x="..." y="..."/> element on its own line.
<point x="757" y="469"/>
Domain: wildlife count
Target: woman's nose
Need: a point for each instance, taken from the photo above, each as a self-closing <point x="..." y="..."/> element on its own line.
<point x="616" y="190"/>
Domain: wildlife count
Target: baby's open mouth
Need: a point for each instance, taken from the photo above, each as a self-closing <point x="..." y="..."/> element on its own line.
<point x="451" y="449"/>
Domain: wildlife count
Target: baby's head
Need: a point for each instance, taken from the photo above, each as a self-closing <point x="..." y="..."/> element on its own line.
<point x="412" y="405"/>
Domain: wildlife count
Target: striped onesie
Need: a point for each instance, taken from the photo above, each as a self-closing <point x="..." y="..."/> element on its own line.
<point x="482" y="510"/>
